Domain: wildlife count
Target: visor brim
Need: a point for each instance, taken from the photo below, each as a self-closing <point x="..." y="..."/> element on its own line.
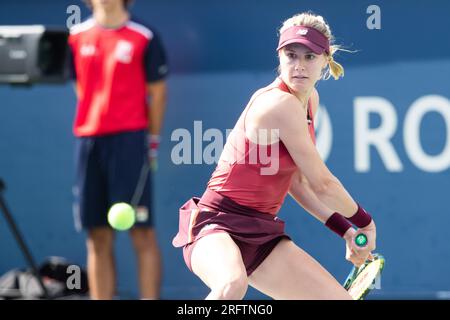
<point x="311" y="45"/>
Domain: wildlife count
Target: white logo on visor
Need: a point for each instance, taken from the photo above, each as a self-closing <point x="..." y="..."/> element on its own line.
<point x="302" y="32"/>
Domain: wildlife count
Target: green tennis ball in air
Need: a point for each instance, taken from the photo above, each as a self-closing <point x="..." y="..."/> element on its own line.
<point x="121" y="216"/>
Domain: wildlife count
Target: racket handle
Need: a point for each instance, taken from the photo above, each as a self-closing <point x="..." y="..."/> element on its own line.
<point x="361" y="240"/>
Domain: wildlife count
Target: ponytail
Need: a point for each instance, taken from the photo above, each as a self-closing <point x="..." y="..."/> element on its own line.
<point x="336" y="69"/>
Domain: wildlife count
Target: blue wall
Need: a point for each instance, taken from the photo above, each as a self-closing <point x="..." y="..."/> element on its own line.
<point x="221" y="52"/>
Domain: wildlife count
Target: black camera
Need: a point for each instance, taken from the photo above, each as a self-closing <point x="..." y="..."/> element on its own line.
<point x="33" y="54"/>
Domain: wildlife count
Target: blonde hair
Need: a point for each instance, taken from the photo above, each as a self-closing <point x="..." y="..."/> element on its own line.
<point x="309" y="19"/>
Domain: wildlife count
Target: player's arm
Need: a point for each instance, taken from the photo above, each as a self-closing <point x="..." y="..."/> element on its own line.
<point x="300" y="188"/>
<point x="156" y="72"/>
<point x="157" y="92"/>
<point x="291" y="119"/>
<point x="301" y="192"/>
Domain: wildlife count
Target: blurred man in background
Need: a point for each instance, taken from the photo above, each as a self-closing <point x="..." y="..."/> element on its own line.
<point x="120" y="69"/>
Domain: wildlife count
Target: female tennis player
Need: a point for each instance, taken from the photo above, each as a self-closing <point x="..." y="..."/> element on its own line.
<point x="231" y="236"/>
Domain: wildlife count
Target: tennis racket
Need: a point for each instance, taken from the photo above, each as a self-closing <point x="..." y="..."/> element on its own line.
<point x="362" y="279"/>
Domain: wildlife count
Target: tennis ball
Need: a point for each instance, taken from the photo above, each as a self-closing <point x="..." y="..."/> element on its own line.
<point x="121" y="216"/>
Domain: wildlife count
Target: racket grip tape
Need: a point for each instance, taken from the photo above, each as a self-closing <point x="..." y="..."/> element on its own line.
<point x="361" y="240"/>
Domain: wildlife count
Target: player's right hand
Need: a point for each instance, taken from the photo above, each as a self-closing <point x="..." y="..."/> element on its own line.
<point x="371" y="232"/>
<point x="355" y="254"/>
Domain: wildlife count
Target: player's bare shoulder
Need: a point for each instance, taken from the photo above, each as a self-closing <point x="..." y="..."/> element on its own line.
<point x="273" y="104"/>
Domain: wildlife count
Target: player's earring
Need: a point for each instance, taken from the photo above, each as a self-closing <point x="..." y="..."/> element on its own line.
<point x="325" y="69"/>
<point x="323" y="73"/>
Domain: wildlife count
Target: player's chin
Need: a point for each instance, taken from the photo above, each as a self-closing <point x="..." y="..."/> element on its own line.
<point x="301" y="86"/>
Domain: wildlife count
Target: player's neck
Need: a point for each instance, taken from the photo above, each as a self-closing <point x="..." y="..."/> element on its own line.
<point x="303" y="96"/>
<point x="111" y="19"/>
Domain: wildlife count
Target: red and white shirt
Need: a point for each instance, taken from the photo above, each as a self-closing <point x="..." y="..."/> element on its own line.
<point x="112" y="68"/>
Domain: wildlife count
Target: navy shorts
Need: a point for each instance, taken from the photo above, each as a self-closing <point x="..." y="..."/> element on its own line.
<point x="107" y="171"/>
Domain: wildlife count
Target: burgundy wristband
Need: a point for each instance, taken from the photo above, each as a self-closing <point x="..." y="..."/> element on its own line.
<point x="337" y="223"/>
<point x="361" y="218"/>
